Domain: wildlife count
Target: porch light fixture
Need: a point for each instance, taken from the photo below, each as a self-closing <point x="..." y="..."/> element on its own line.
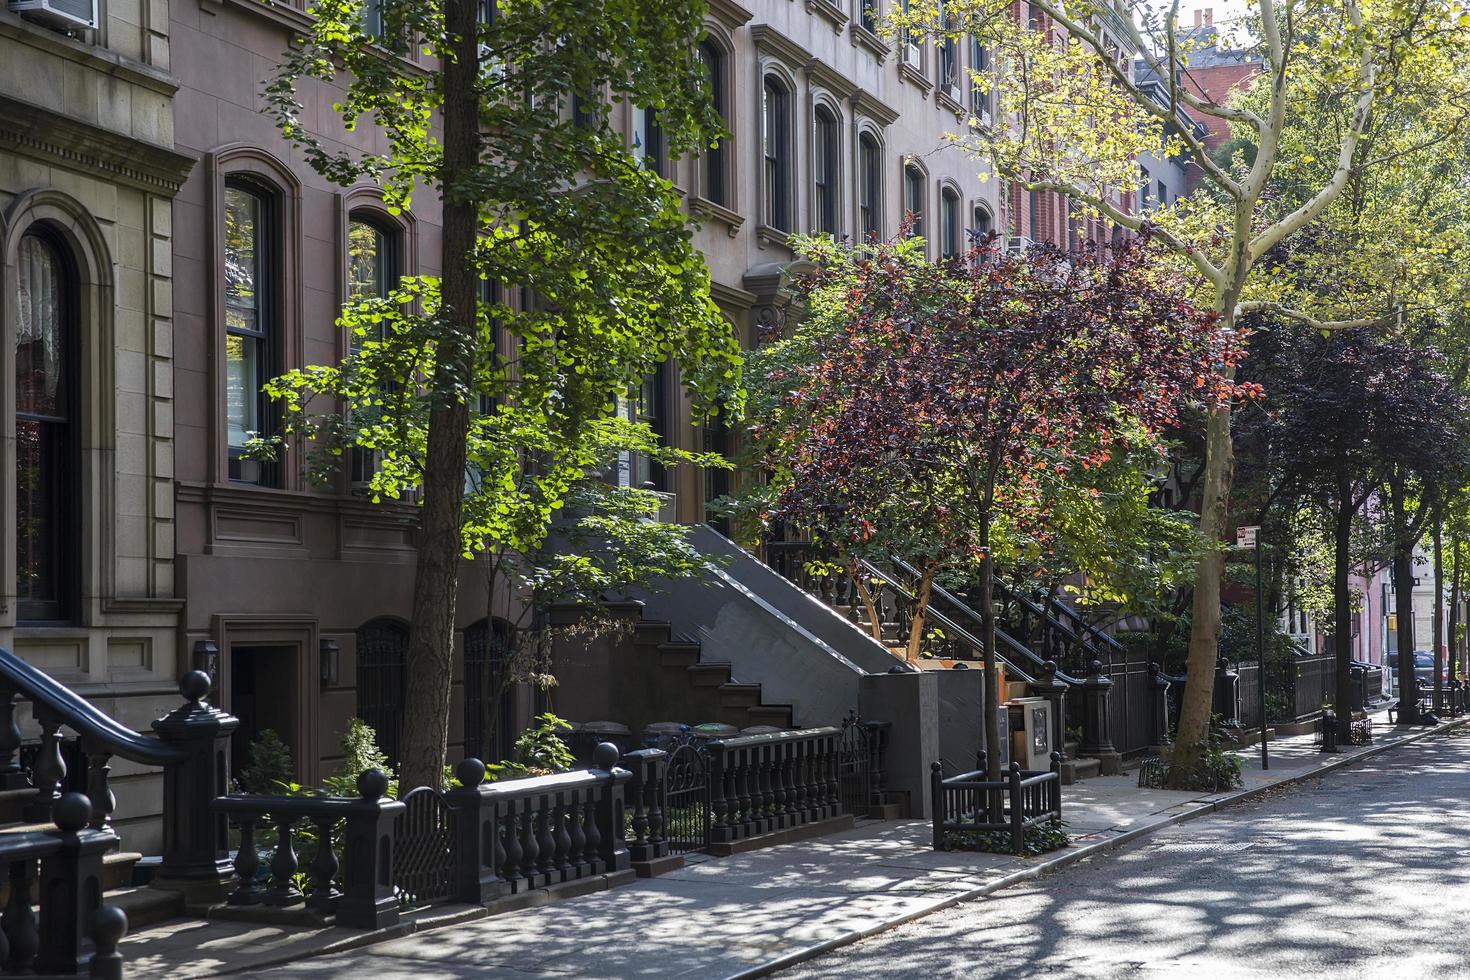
<point x="330" y="654"/>
<point x="206" y="658"/>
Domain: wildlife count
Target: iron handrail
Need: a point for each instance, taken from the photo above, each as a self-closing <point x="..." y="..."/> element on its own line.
<point x="1001" y="636"/>
<point x="77" y="714"/>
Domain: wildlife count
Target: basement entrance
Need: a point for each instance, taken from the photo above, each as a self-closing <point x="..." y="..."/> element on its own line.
<point x="263" y="696"/>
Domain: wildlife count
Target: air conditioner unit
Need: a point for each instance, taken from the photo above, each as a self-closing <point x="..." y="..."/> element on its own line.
<point x="911" y="54"/>
<point x="1018" y="244"/>
<point x="953" y="92"/>
<point x="63" y="14"/>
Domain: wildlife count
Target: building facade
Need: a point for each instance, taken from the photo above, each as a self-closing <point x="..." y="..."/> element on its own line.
<point x="89" y="167"/>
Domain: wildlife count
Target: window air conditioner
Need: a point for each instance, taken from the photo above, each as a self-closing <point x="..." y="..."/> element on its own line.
<point x="911" y="54"/>
<point x="1018" y="244"/>
<point x="62" y="14"/>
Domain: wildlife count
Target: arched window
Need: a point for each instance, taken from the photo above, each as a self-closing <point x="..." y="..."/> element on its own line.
<point x="824" y="189"/>
<point x="712" y="166"/>
<point x="984" y="221"/>
<point x="382" y="679"/>
<point x="870" y="185"/>
<point x="252" y="328"/>
<point x="775" y="148"/>
<point x="488" y="698"/>
<point x="45" y="432"/>
<point x="913" y="198"/>
<point x="372" y="272"/>
<point x="949" y="222"/>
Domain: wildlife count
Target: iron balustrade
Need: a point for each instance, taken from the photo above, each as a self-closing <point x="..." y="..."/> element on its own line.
<point x="971" y="803"/>
<point x="763" y="783"/>
<point x="647" y="799"/>
<point x="54" y="911"/>
<point x="368" y="897"/>
<point x="517" y="835"/>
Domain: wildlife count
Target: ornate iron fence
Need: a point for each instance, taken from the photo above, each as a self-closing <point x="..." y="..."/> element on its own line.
<point x="685" y="802"/>
<point x="424" y="865"/>
<point x="969" y="802"/>
<point x="860" y="776"/>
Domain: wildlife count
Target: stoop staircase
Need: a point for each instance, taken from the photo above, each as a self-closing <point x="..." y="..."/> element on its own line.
<point x="704" y="689"/>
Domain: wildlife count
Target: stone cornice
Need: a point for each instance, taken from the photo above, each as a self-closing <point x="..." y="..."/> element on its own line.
<point x="730" y="14"/>
<point x="50" y="136"/>
<point x="868" y="104"/>
<point x="830" y="78"/>
<point x="772" y="41"/>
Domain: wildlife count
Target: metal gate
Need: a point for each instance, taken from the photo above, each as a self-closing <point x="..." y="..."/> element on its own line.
<point x="686" y="800"/>
<point x="854" y="766"/>
<point x="423" y="849"/>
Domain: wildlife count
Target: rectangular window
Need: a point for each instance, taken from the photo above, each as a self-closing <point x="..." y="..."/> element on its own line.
<point x="250" y="328"/>
<point x="775" y="132"/>
<point x="870" y="195"/>
<point x="712" y="163"/>
<point x="648" y="140"/>
<point x="371" y="274"/>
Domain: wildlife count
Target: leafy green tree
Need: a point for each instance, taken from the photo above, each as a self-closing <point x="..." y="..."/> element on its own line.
<point x="484" y="411"/>
<point x="1078" y="117"/>
<point x="932" y="411"/>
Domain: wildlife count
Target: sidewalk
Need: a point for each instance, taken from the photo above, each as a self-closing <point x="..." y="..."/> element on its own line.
<point x="721" y="917"/>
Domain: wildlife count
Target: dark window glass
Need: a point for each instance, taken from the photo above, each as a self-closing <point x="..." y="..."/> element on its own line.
<point x="949" y="58"/>
<point x="372" y="18"/>
<point x="824" y="203"/>
<point x="870" y="186"/>
<point x="45" y="437"/>
<point x="488" y="695"/>
<point x="980" y="64"/>
<point x="653" y="409"/>
<point x="250" y="326"/>
<point x="868" y="12"/>
<point x="775" y="142"/>
<point x="984" y="223"/>
<point x="712" y="164"/>
<point x="913" y="203"/>
<point x="372" y="260"/>
<point x="949" y="220"/>
<point x="648" y="140"/>
<point x="382" y="677"/>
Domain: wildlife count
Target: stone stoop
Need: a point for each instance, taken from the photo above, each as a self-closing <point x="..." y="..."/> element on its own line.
<point x="1076" y="767"/>
<point x="704" y="687"/>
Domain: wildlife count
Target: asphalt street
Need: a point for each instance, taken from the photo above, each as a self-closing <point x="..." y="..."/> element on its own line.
<point x="1364" y="872"/>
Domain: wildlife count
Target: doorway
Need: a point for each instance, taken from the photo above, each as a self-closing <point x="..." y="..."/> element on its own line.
<point x="263" y="696"/>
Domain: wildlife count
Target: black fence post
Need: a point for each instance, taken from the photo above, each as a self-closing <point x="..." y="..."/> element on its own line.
<point x="1018" y="814"/>
<point x="195" y="859"/>
<point x="477" y="879"/>
<point x="1057" y="758"/>
<point x="646" y="792"/>
<point x="610" y="807"/>
<point x="1158" y="707"/>
<point x="1227" y="693"/>
<point x="369" y="898"/>
<point x="936" y="802"/>
<point x="877" y="735"/>
<point x="70" y="890"/>
<point x="108" y="927"/>
<point x="1097" y="692"/>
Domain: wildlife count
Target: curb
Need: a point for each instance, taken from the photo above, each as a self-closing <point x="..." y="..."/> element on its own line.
<point x="1197" y="808"/>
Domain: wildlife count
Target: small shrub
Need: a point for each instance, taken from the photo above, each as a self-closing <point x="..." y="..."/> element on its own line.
<point x="1037" y="839"/>
<point x="268" y="767"/>
<point x="1218" y="769"/>
<point x="539" y="751"/>
<point x="360" y="753"/>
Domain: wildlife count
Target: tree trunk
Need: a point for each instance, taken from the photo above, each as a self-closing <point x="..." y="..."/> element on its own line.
<point x="1438" y="630"/>
<point x="1204" y="632"/>
<point x="875" y="624"/>
<point x="1403" y="604"/>
<point x="921" y="606"/>
<point x="1456" y="673"/>
<point x="987" y="637"/>
<point x="1342" y="617"/>
<point x="430" y="669"/>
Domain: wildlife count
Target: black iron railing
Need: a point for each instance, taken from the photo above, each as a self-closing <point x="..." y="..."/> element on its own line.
<point x="364" y="896"/>
<point x="517" y="835"/>
<point x="972" y="803"/>
<point x="763" y="783"/>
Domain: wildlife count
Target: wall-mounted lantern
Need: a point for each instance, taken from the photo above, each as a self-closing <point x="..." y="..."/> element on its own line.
<point x="206" y="658"/>
<point x="330" y="656"/>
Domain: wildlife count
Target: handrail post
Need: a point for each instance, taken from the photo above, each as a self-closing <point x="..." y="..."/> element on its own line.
<point x="195" y="857"/>
<point x="11" y="775"/>
<point x="648" y="767"/>
<point x="70" y="890"/>
<point x="936" y="802"/>
<point x="477" y="879"/>
<point x="1158" y="707"/>
<point x="1018" y="814"/>
<point x="610" y="807"/>
<point x="369" y="897"/>
<point x="1097" y="740"/>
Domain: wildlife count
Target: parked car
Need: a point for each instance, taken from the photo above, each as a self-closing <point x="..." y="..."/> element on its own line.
<point x="1424" y="670"/>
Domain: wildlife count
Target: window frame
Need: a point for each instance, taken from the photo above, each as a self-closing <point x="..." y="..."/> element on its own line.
<point x="826" y="169"/>
<point x="361" y="462"/>
<point x="951" y="224"/>
<point x="268" y="333"/>
<point x="778" y="198"/>
<point x="870" y="184"/>
<point x="915" y="180"/>
<point x="713" y="170"/>
<point x="65" y="515"/>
